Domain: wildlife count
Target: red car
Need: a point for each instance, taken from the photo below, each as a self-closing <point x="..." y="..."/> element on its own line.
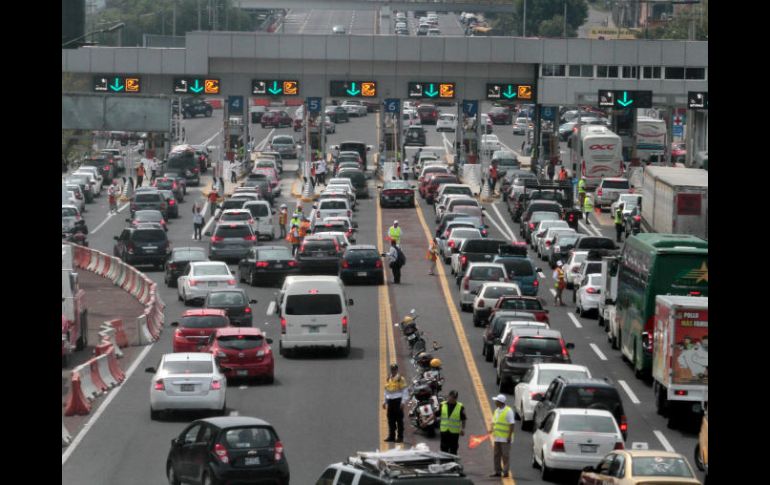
<point x="196" y="327"/>
<point x="243" y="352"/>
<point x="276" y="119"/>
<point x="431" y="187"/>
<point x="529" y="304"/>
<point x="500" y="115"/>
<point x="428" y="114"/>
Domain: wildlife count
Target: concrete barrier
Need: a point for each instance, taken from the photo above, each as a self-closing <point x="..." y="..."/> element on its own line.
<point x="112" y="361"/>
<point x="143" y="333"/>
<point x="104" y="369"/>
<point x="107" y="334"/>
<point x="90" y="390"/>
<point x="120" y="333"/>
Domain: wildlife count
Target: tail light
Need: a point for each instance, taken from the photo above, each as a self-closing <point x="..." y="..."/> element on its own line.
<point x="344" y="324"/>
<point x="173" y="186"/>
<point x="463" y="260"/>
<point x="481" y="303"/>
<point x="623" y="424"/>
<point x="195" y="170"/>
<point x="695" y="293"/>
<point x="107" y="167"/>
<point x="531" y="226"/>
<point x="451" y="244"/>
<point x="484" y="232"/>
<point x="262" y="264"/>
<point x="250" y="238"/>
<point x="171" y="202"/>
<point x="512" y="348"/>
<point x="599" y="191"/>
<point x="619" y="446"/>
<point x="202" y="158"/>
<point x="192" y="282"/>
<point x="591" y="290"/>
<point x="637" y="218"/>
<point x="221" y="453"/>
<point x="350" y="214"/>
<point x="216" y="385"/>
<point x="558" y="446"/>
<point x="217" y="238"/>
<point x="466" y="283"/>
<point x="564" y="353"/>
<point x="571" y="217"/>
<point x="283" y="326"/>
<point x="278" y="451"/>
<point x="247" y="310"/>
<point x="171" y="265"/>
<point x="548" y="244"/>
<point x="345" y="264"/>
<point x="231" y="282"/>
<point x="292" y="264"/>
<point x="680" y="392"/>
<point x="159" y="385"/>
<point x="378" y="264"/>
<point x="536" y="283"/>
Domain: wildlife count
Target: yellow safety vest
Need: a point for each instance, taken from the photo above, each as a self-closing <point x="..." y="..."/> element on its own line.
<point x="582" y="186"/>
<point x="395" y="233"/>
<point x="282" y="217"/>
<point x="588" y="206"/>
<point x="618" y="217"/>
<point x="450" y="423"/>
<point x="502" y="427"/>
<point x="395" y="384"/>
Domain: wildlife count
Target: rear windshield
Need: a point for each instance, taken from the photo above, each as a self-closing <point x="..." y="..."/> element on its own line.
<point x="332" y="204"/>
<point x="326" y="245"/>
<point x="352" y="147"/>
<point x="426" y="109"/>
<point x="187" y="255"/>
<point x="233" y="203"/>
<point x="438" y="180"/>
<point x="362" y="253"/>
<point x="356" y="177"/>
<point x="461" y="202"/>
<point x="587" y="423"/>
<point x="464" y="233"/>
<point x="313" y="304"/>
<point x="568" y="239"/>
<point x="498" y="291"/>
<point x="487" y="274"/>
<point x="517" y="266"/>
<point x="585" y="396"/>
<point x="204" y="321"/>
<point x="154" y="197"/>
<point x="615" y="184"/>
<point x="457" y="190"/>
<point x="265" y="254"/>
<point x="147" y="235"/>
<point x="148" y="216"/>
<point x="539" y="346"/>
<point x="513" y="304"/>
<point x="226" y="298"/>
<point x="544" y="216"/>
<point x="546" y="376"/>
<point x="258" y="210"/>
<point x="596" y="243"/>
<point x="248" y="437"/>
<point x="236" y="216"/>
<point x="468" y="210"/>
<point x="240" y="342"/>
<point x="483" y="246"/>
<point x="165" y="184"/>
<point x="237" y="231"/>
<point x="283" y="140"/>
<point x="188" y="367"/>
<point x="69" y="212"/>
<point x="659" y="466"/>
<point x="211" y="270"/>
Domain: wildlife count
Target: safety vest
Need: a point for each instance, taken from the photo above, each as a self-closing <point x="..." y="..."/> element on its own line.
<point x="304" y="228"/>
<point x="582" y="186"/>
<point x="295" y="220"/>
<point x="502" y="427"/>
<point x="395" y="233"/>
<point x="395" y="384"/>
<point x="618" y="216"/>
<point x="588" y="206"/>
<point x="559" y="274"/>
<point x="293" y="237"/>
<point x="563" y="175"/>
<point x="451" y="423"/>
<point x="282" y="217"/>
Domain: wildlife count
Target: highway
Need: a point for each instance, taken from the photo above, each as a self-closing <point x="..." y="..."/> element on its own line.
<point x="327" y="407"/>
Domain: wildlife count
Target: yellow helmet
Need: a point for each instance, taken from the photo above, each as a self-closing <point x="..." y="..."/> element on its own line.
<point x="407" y="320"/>
<point x="435" y="363"/>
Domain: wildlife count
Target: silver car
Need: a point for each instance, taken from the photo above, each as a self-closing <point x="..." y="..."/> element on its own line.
<point x="187" y="381"/>
<point x="476" y="275"/>
<point x="231" y="241"/>
<point x="541" y="229"/>
<point x="609" y="190"/>
<point x="458" y="232"/>
<point x="546" y="243"/>
<point x="262" y="213"/>
<point x="285" y="145"/>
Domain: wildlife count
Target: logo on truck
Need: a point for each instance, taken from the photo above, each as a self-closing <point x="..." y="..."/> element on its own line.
<point x="601" y="147"/>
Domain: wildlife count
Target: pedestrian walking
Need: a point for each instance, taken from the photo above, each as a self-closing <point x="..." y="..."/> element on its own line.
<point x="394" y="232"/>
<point x="233" y="175"/>
<point x="304" y="228"/>
<point x="283" y="218"/>
<point x="213" y="197"/>
<point x="618" y="222"/>
<point x="293" y="239"/>
<point x="153" y="169"/>
<point x="112" y="194"/>
<point x="551" y="170"/>
<point x="581" y="190"/>
<point x="433" y="255"/>
<point x="561" y="282"/>
<point x="492" y="178"/>
<point x="197" y="222"/>
<point x="588" y="207"/>
<point x="396" y="260"/>
<point x="321" y="171"/>
<point x="452" y="424"/>
<point x="395" y="396"/>
<point x="502" y="432"/>
<point x="139" y="174"/>
<point x="405" y="169"/>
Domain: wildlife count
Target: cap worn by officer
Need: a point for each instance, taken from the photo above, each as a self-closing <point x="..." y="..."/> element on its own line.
<point x="499" y="398"/>
<point x="395" y="223"/>
<point x="559" y="264"/>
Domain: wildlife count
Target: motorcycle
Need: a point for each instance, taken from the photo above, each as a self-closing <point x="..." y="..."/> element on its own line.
<point x="423" y="407"/>
<point x="76" y="237"/>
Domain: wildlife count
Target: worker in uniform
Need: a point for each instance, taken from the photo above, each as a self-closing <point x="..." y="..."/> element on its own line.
<point x="562" y="174"/>
<point x="394" y="233"/>
<point x="618" y="222"/>
<point x="213" y="197"/>
<point x="502" y="432"/>
<point x="581" y="190"/>
<point x="588" y="207"/>
<point x="561" y="282"/>
<point x="293" y="239"/>
<point x="396" y="395"/>
<point x="452" y="423"/>
<point x="283" y="218"/>
<point x="304" y="228"/>
<point x="296" y="218"/>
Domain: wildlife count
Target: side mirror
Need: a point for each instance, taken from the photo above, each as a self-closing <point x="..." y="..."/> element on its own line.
<point x="252" y="302"/>
<point x="150" y="370"/>
<point x="174" y="324"/>
<point x="350" y="301"/>
<point x="570" y="345"/>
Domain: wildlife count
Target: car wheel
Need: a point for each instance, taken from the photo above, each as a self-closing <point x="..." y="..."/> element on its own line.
<point x="545" y="472"/>
<point x="252" y="279"/>
<point x="270" y="379"/>
<point x="154" y="415"/>
<point x="208" y="479"/>
<point x="699" y="459"/>
<point x="171" y="475"/>
<point x="502" y="385"/>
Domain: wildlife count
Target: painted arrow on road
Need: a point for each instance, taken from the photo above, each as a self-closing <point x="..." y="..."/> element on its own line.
<point x="431" y="92"/>
<point x="352" y="90"/>
<point x="117" y="86"/>
<point x="196" y="88"/>
<point x="275" y="89"/>
<point x="625" y="101"/>
<point x="509" y="93"/>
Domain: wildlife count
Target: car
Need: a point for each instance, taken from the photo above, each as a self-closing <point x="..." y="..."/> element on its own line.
<point x="415" y="136"/>
<point x="319" y="254"/>
<point x="234" y="302"/>
<point x="628" y="202"/>
<point x="230" y="449"/>
<point x="541" y="227"/>
<point x="75" y="198"/>
<point x="592" y="265"/>
<point x="270" y="154"/>
<point x="638" y="467"/>
<point x="522" y="271"/>
<point x="182" y="159"/>
<point x="231" y="241"/>
<point x="142" y="245"/>
<point x="571" y="439"/>
<point x="588" y="295"/>
<point x="361" y="262"/>
<point x="528" y="304"/>
<point x="202" y="277"/>
<point x="430" y="187"/>
<point x="276" y="119"/>
<point x="149" y="200"/>
<point x="178" y="262"/>
<point x="340" y="225"/>
<point x="104" y="166"/>
<point x="452" y="203"/>
<point x="396" y="193"/>
<point x="500" y="115"/>
<point x="113" y="155"/>
<point x="180" y="179"/>
<point x="475" y="250"/>
<point x="195" y="328"/>
<point x="82" y="181"/>
<point x="193" y="106"/>
<point x="433" y="169"/>
<point x="186" y="381"/>
<point x="329" y="125"/>
<point x="572" y="266"/>
<point x="408" y="118"/>
<point x="428" y="114"/>
<point x="546" y="243"/>
<point x="561" y="247"/>
<point x="267" y="265"/>
<point x="285" y="145"/>
<point x="609" y="190"/>
<point x="423" y="29"/>
<point x="263" y="218"/>
<point x="497" y="326"/>
<point x="172" y="204"/>
<point x="256" y="112"/>
<point x="486" y="296"/>
<point x="264" y="190"/>
<point x="505" y="161"/>
<point x="535" y="382"/>
<point x="243" y="352"/>
<point x="523" y="347"/>
<point x="337" y="114"/>
<point x="490" y="143"/>
<point x="474" y="276"/>
<point x="95" y="179"/>
<point x="266" y="162"/>
<point x="581" y="393"/>
<point x="355" y="107"/>
<point x="520" y="126"/>
<point x="145" y="216"/>
<point x="358" y="178"/>
<point x="454" y="235"/>
<point x="336" y="191"/>
<point x="331" y="208"/>
<point x="433" y="32"/>
<point x="529" y="221"/>
<point x="338" y="29"/>
<point x="511" y="324"/>
<point x="446" y="122"/>
<point x="600" y="244"/>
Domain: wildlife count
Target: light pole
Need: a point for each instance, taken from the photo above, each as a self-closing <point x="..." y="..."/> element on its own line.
<point x="112" y="28"/>
<point x="564" y="30"/>
<point x="524" y="21"/>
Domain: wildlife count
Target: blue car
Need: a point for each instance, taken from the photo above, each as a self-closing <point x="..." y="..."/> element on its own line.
<point x="522" y="272"/>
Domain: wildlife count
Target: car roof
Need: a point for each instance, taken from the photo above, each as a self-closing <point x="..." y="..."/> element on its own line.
<point x="186" y="356"/>
<point x="582" y="412"/>
<point x="534" y="331"/>
<point x="585" y="381"/>
<point x="226" y="331"/>
<point x="209" y="263"/>
<point x="484" y="264"/>
<point x="650" y="453"/>
<point x="204" y="312"/>
<point x="234" y="421"/>
<point x="361" y="246"/>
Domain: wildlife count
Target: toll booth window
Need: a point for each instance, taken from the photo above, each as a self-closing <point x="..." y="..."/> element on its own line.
<point x="553" y="70"/>
<point x="581" y="70"/>
<point x="674" y="73"/>
<point x="607" y="71"/>
<point x="651" y="72"/>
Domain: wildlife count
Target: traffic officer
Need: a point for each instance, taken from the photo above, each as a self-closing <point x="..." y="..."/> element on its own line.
<point x="213" y="197"/>
<point x="588" y="207"/>
<point x="395" y="232"/>
<point x="452" y="423"/>
<point x="562" y="174"/>
<point x="618" y="222"/>
<point x="561" y="282"/>
<point x="395" y="397"/>
<point x="581" y="190"/>
<point x="283" y="218"/>
<point x="296" y="218"/>
<point x="293" y="238"/>
<point x="304" y="228"/>
<point x="502" y="432"/>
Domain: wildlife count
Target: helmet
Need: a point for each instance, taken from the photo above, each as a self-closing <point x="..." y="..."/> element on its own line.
<point x="283" y="206"/>
<point x="407" y="320"/>
<point x="559" y="264"/>
<point x="435" y="363"/>
<point x="423" y="359"/>
<point x="394" y="366"/>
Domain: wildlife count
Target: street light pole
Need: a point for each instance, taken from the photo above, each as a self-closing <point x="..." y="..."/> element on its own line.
<point x="564" y="34"/>
<point x="173" y="20"/>
<point x="524" y="21"/>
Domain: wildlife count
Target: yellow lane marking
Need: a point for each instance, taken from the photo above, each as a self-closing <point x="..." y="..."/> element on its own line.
<point x="484" y="400"/>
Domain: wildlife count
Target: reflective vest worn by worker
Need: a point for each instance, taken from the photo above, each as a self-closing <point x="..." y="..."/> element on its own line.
<point x="395" y="233"/>
<point x="395" y="384"/>
<point x="582" y="186"/>
<point x="304" y="228"/>
<point x="560" y="281"/>
<point x="293" y="236"/>
<point x="451" y="423"/>
<point x="502" y="427"/>
<point x="618" y="216"/>
<point x="588" y="206"/>
<point x="295" y="220"/>
<point x="283" y="216"/>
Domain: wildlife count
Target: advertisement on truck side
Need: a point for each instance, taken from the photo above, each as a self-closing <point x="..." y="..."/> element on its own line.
<point x="686" y="357"/>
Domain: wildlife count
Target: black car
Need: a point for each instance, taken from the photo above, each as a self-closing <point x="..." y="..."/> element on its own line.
<point x="415" y="136"/>
<point x="604" y="244"/>
<point x="396" y="193"/>
<point x="192" y="107"/>
<point x="337" y="114"/>
<point x="319" y="254"/>
<point x="562" y="245"/>
<point x="173" y="204"/>
<point x="478" y="251"/>
<point x="178" y="262"/>
<point x="361" y="262"/>
<point x="107" y="169"/>
<point x="168" y="183"/>
<point x="267" y="265"/>
<point x="227" y="449"/>
<point x="142" y="245"/>
<point x="358" y="179"/>
<point x="495" y="328"/>
<point x="235" y="303"/>
<point x="581" y="393"/>
<point x="182" y="160"/>
<point x="526" y="346"/>
<point x="149" y="200"/>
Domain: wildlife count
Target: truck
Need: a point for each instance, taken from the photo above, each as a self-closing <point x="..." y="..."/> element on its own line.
<point x="609" y="293"/>
<point x="74" y="315"/>
<point x="651" y="138"/>
<point x="675" y="201"/>
<point x="680" y="357"/>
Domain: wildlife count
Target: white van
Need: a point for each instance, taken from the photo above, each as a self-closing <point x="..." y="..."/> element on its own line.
<point x="314" y="313"/>
<point x="263" y="218"/>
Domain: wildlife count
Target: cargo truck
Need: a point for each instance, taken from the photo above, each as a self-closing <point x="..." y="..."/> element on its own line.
<point x="680" y="357"/>
<point x="675" y="201"/>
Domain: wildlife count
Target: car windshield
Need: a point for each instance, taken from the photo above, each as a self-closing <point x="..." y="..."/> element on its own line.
<point x="495" y="292"/>
<point x="546" y="376"/>
<point x="595" y="279"/>
<point x="324" y="245"/>
<point x="397" y="185"/>
<point x="539" y="346"/>
<point x="520" y="304"/>
<point x="596" y="243"/>
<point x="283" y="140"/>
<point x="362" y="253"/>
<point x="585" y="396"/>
<point x="233" y="204"/>
<point x="226" y="298"/>
<point x="188" y="367"/>
<point x="240" y="342"/>
<point x="482" y="246"/>
<point x="164" y="184"/>
<point x="314" y="304"/>
<point x="248" y="437"/>
<point x="69" y="212"/>
<point x="265" y="254"/>
<point x="233" y="231"/>
<point x="629" y="202"/>
<point x="332" y="204"/>
<point x="458" y="190"/>
<point x="203" y="321"/>
<point x="543" y="216"/>
<point x="660" y="466"/>
<point x="615" y="184"/>
<point x="188" y="255"/>
<point x="149" y="235"/>
<point x="235" y="216"/>
<point x="568" y="239"/>
<point x="148" y="216"/>
<point x="210" y="270"/>
<point x="587" y="423"/>
<point x="487" y="274"/>
<point x="153" y="197"/>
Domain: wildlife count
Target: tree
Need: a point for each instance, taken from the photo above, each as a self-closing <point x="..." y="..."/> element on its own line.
<point x="551" y="28"/>
<point x="543" y="18"/>
<point x="678" y="28"/>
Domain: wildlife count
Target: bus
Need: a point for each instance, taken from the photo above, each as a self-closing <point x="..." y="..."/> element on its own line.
<point x="651" y="139"/>
<point x="654" y="264"/>
<point x="596" y="152"/>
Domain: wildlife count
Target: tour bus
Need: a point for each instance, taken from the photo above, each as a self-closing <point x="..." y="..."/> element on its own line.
<point x="654" y="264"/>
<point x="651" y="138"/>
<point x="596" y="152"/>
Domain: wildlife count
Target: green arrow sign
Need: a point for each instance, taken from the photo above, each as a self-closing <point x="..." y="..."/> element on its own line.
<point x="431" y="92"/>
<point x="117" y="86"/>
<point x="625" y="101"/>
<point x="509" y="93"/>
<point x="196" y="88"/>
<point x="352" y="90"/>
<point x="275" y="89"/>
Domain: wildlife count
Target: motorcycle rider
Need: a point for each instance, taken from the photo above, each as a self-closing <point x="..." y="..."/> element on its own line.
<point x="395" y="396"/>
<point x="452" y="423"/>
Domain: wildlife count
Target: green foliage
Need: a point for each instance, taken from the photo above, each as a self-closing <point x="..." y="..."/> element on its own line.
<point x="678" y="28"/>
<point x="544" y="18"/>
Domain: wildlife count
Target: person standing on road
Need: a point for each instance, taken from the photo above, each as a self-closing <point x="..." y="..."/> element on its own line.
<point x="321" y="171"/>
<point x="293" y="239"/>
<point x="581" y="191"/>
<point x="395" y="396"/>
<point x="283" y="218"/>
<point x="561" y="283"/>
<point x="153" y="166"/>
<point x="213" y="197"/>
<point x="394" y="233"/>
<point x="233" y="175"/>
<point x="433" y="255"/>
<point x="139" y="174"/>
<point x="452" y="423"/>
<point x="304" y="228"/>
<point x="618" y="222"/>
<point x="396" y="260"/>
<point x="112" y="193"/>
<point x="502" y="432"/>
<point x="562" y="174"/>
<point x="197" y="222"/>
<point x="551" y="170"/>
<point x="492" y="178"/>
<point x="588" y="207"/>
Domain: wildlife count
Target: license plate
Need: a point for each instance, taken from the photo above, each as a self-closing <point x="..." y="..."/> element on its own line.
<point x="279" y="266"/>
<point x="188" y="387"/>
<point x="150" y="249"/>
<point x="241" y="372"/>
<point x="588" y="448"/>
<point x="212" y="283"/>
<point x="362" y="273"/>
<point x="312" y="330"/>
<point x="251" y="460"/>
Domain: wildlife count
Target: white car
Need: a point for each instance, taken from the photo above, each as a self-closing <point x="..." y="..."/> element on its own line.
<point x="542" y="228"/>
<point x="400" y="25"/>
<point x="572" y="266"/>
<point x="262" y="213"/>
<point x="455" y="238"/>
<point x="341" y="181"/>
<point x="434" y="32"/>
<point x="72" y="199"/>
<point x="238" y="215"/>
<point x="629" y="201"/>
<point x="408" y="118"/>
<point x="330" y="126"/>
<point x="588" y="294"/>
<point x="202" y="277"/>
<point x="546" y="243"/>
<point x="572" y="439"/>
<point x="536" y="381"/>
<point x="187" y="381"/>
<point x="354" y="107"/>
<point x="487" y="296"/>
<point x="330" y="208"/>
<point x="94" y="181"/>
<point x="490" y="143"/>
<point x="520" y="126"/>
<point x="333" y="191"/>
<point x="441" y="204"/>
<point x="476" y="274"/>
<point x="446" y="121"/>
<point x="97" y="175"/>
<point x="70" y="215"/>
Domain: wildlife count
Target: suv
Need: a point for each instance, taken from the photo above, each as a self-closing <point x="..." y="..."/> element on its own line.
<point x="142" y="245"/>
<point x="415" y="136"/>
<point x="526" y="346"/>
<point x="581" y="394"/>
<point x="603" y="244"/>
<point x="475" y="250"/>
<point x="231" y="241"/>
<point x="413" y="467"/>
<point x="501" y="115"/>
<point x="428" y="114"/>
<point x="150" y="200"/>
<point x="276" y="119"/>
<point x="192" y="107"/>
<point x="609" y="190"/>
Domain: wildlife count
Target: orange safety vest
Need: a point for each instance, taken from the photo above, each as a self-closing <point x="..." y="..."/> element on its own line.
<point x="304" y="227"/>
<point x="282" y="218"/>
<point x="293" y="237"/>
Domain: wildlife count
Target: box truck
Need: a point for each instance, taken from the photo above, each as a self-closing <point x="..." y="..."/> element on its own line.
<point x="675" y="201"/>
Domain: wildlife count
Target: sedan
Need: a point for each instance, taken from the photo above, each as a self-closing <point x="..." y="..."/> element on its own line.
<point x="520" y="126"/>
<point x="546" y="243"/>
<point x="572" y="439"/>
<point x="235" y="303"/>
<point x="196" y="327"/>
<point x="163" y="183"/>
<point x="487" y="296"/>
<point x="500" y="115"/>
<point x="276" y="119"/>
<point x="329" y="125"/>
<point x="267" y="265"/>
<point x="536" y="381"/>
<point x="337" y="114"/>
<point x="176" y="265"/>
<point x="490" y="143"/>
<point x="636" y="467"/>
<point x="453" y="241"/>
<point x="361" y="262"/>
<point x="243" y="352"/>
<point x="285" y="145"/>
<point x="186" y="381"/>
<point x="202" y="277"/>
<point x="589" y="294"/>
<point x="354" y="108"/>
<point x="396" y="193"/>
<point x="151" y="216"/>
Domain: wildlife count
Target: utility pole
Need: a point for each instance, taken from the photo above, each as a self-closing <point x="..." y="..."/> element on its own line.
<point x="199" y="14"/>
<point x="173" y="19"/>
<point x="564" y="31"/>
<point x="524" y="21"/>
